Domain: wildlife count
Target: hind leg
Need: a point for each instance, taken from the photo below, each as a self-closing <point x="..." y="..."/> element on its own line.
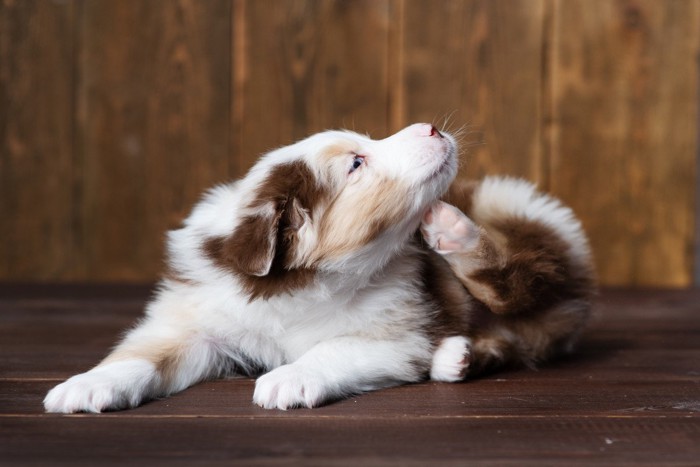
<point x="467" y="247"/>
<point x="514" y="265"/>
<point x="533" y="253"/>
<point x="529" y="264"/>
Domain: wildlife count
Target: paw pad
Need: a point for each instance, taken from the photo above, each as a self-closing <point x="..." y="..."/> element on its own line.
<point x="446" y="229"/>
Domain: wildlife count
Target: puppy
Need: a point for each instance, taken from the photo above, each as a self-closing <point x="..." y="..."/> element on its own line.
<point x="311" y="271"/>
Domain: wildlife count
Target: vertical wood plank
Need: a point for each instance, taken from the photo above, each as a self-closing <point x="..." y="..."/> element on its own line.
<point x="309" y="66"/>
<point x="37" y="170"/>
<point x="115" y="115"/>
<point x="625" y="97"/>
<point x="154" y="121"/>
<point x="479" y="62"/>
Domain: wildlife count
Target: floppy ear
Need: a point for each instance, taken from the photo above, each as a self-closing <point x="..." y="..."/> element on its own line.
<point x="252" y="247"/>
<point x="266" y="238"/>
<point x="255" y="243"/>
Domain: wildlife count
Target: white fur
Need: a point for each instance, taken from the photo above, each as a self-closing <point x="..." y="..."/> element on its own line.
<point x="451" y="359"/>
<point x="499" y="198"/>
<point x="117" y="385"/>
<point x="359" y="326"/>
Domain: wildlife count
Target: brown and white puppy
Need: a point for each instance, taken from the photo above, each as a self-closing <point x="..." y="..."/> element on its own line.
<point x="310" y="272"/>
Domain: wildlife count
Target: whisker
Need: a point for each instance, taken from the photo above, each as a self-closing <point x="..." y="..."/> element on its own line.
<point x="447" y="121"/>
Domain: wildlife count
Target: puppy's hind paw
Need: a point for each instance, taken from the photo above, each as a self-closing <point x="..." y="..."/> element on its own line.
<point x="451" y="359"/>
<point x="446" y="229"/>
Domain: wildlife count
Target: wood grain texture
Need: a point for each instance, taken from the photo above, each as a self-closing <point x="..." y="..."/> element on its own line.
<point x="478" y="62"/>
<point x="116" y="115"/>
<point x="154" y="122"/>
<point x="308" y="66"/>
<point x="324" y="442"/>
<point x="38" y="173"/>
<point x="627" y="395"/>
<point x="625" y="116"/>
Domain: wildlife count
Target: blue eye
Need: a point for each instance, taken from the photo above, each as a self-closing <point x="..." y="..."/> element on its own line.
<point x="356" y="163"/>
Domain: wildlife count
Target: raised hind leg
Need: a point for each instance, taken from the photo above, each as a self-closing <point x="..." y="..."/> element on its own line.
<point x="525" y="257"/>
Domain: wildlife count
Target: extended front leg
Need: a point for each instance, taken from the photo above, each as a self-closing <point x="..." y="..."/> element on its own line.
<point x="340" y="367"/>
<point x="155" y="359"/>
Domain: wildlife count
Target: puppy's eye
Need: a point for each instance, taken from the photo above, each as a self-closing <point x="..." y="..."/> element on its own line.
<point x="356" y="163"/>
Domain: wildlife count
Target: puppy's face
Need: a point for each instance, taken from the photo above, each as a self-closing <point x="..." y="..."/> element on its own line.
<point x="334" y="201"/>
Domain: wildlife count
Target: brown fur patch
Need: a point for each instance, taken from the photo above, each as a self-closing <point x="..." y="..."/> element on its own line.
<point x="165" y="355"/>
<point x="537" y="271"/>
<point x="465" y="263"/>
<point x="289" y="188"/>
<point x="453" y="304"/>
<point x="528" y="339"/>
<point x="252" y="247"/>
<point x="287" y="181"/>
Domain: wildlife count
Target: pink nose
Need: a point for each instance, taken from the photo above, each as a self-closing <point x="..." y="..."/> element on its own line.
<point x="426" y="129"/>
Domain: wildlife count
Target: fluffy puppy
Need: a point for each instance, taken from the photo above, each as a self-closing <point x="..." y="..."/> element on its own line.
<point x="310" y="271"/>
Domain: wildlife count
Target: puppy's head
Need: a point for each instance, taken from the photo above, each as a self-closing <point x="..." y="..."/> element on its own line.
<point x="336" y="201"/>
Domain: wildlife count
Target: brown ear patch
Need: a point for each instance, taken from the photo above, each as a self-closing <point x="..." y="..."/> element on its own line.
<point x="261" y="248"/>
<point x="251" y="250"/>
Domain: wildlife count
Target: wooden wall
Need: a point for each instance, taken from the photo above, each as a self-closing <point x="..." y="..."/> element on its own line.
<point x="116" y="114"/>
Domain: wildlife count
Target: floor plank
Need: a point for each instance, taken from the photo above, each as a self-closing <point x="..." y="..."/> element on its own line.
<point x="286" y="441"/>
<point x="630" y="395"/>
<point x="485" y="398"/>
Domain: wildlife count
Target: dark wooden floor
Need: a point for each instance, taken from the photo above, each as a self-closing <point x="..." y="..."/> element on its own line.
<point x="631" y="394"/>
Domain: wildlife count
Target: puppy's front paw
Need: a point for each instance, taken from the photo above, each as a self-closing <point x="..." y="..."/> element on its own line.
<point x="451" y="359"/>
<point x="83" y="393"/>
<point x="115" y="386"/>
<point x="446" y="229"/>
<point x="288" y="387"/>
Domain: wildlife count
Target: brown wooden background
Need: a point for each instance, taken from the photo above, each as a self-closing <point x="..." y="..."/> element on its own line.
<point x="116" y="114"/>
